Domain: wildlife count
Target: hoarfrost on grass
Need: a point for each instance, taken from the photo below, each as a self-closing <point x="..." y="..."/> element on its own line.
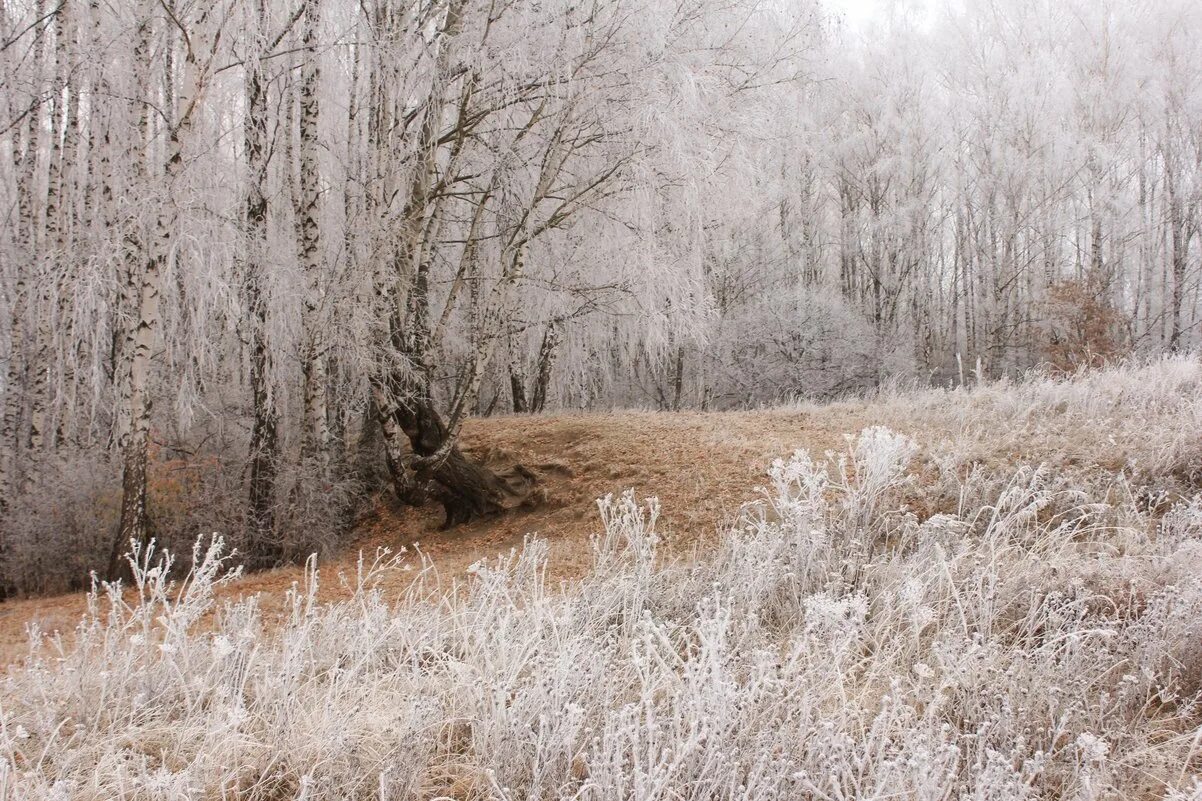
<point x="833" y="646"/>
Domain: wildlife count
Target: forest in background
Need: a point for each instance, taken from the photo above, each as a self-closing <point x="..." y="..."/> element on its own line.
<point x="259" y="258"/>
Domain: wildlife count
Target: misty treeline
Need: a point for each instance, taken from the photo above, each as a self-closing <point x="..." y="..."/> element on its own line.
<point x="260" y="257"/>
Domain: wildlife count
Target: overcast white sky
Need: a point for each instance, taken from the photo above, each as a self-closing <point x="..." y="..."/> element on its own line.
<point x="857" y="11"/>
<point x="860" y="13"/>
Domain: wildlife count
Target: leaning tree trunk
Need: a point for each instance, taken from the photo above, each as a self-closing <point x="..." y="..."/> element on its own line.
<point x="404" y="484"/>
<point x="435" y="464"/>
<point x="403" y="396"/>
<point x="466" y="488"/>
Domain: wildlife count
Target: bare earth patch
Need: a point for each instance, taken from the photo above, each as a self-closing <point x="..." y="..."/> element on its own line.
<point x="1008" y="571"/>
<point x="704" y="466"/>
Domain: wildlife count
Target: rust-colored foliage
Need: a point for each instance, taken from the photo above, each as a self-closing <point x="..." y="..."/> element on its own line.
<point x="1083" y="330"/>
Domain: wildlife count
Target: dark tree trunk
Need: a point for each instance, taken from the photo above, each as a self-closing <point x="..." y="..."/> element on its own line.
<point x="466" y="488"/>
<point x="264" y="467"/>
<point x="336" y="415"/>
<point x="264" y="548"/>
<point x="678" y="380"/>
<point x="133" y="526"/>
<point x="1180" y="251"/>
<point x="370" y="445"/>
<point x="546" y="361"/>
<point x="517" y="389"/>
<point x="382" y="437"/>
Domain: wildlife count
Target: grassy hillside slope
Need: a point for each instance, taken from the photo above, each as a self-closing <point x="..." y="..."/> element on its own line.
<point x="986" y="593"/>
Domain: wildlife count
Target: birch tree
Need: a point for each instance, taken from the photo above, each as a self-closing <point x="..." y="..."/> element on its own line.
<point x="257" y="238"/>
<point x="200" y="28"/>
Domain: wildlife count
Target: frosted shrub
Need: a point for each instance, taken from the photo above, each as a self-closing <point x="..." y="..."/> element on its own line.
<point x="51" y="547"/>
<point x="821" y="348"/>
<point x="833" y="646"/>
<point x="59" y="528"/>
<point x="877" y="467"/>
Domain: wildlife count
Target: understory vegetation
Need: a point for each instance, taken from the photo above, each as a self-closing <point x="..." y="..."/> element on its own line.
<point x="905" y="619"/>
<point x="64" y="527"/>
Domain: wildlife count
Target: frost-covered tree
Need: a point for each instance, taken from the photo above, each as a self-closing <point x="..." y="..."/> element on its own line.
<point x="278" y="238"/>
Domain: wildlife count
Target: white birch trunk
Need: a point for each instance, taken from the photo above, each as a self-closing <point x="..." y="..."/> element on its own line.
<point x="52" y="252"/>
<point x="313" y="356"/>
<point x="201" y="47"/>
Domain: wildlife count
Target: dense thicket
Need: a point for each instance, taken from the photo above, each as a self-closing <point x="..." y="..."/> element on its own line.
<point x="241" y="238"/>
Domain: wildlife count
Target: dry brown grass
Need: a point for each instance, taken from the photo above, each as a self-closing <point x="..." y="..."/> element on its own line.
<point x="702" y="466"/>
<point x="911" y="588"/>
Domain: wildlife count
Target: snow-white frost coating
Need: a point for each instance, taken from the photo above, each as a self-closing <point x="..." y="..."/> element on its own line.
<point x="832" y="646"/>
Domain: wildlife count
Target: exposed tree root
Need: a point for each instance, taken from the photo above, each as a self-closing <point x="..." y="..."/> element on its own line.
<point x="466" y="487"/>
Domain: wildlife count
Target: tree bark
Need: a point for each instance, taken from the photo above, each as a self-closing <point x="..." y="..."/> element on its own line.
<point x="141" y="339"/>
<point x="12" y="437"/>
<point x="51" y="251"/>
<point x="133" y="248"/>
<point x="263" y="549"/>
<point x="546" y="361"/>
<point x="314" y="358"/>
<point x="67" y="230"/>
<point x="404" y="483"/>
<point x="678" y="379"/>
<point x="517" y="381"/>
<point x="466" y="488"/>
<point x="1179" y="254"/>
